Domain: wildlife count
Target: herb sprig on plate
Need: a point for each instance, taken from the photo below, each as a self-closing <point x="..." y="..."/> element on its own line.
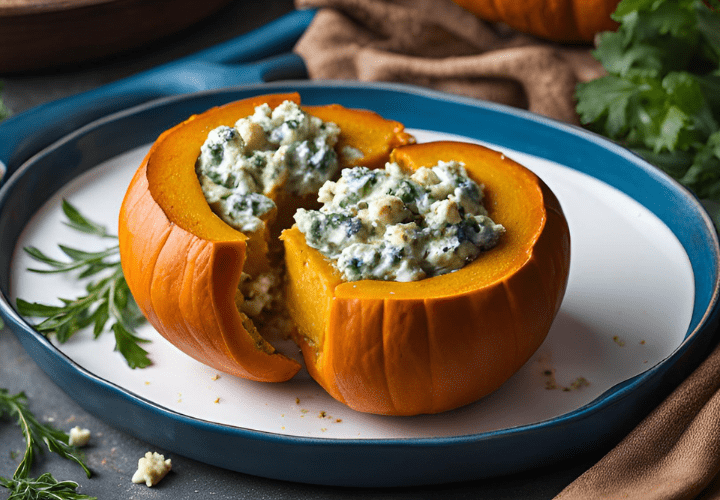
<point x="661" y="97"/>
<point x="108" y="297"/>
<point x="45" y="486"/>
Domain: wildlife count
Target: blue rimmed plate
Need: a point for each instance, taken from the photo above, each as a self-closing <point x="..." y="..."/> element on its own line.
<point x="640" y="310"/>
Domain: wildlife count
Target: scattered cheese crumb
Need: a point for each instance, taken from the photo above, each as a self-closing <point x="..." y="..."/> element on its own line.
<point x="215" y="377"/>
<point x="79" y="437"/>
<point x="151" y="469"/>
<point x="217" y="400"/>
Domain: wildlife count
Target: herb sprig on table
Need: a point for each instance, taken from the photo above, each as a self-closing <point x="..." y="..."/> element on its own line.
<point x="45" y="486"/>
<point x="108" y="297"/>
<point x="4" y="111"/>
<point x="661" y="97"/>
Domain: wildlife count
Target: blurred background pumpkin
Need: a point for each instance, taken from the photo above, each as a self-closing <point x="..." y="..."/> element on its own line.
<point x="557" y="20"/>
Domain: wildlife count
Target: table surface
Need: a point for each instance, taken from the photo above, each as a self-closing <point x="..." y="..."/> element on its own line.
<point x="113" y="455"/>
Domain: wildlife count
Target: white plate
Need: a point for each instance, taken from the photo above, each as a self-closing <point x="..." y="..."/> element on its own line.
<point x="628" y="306"/>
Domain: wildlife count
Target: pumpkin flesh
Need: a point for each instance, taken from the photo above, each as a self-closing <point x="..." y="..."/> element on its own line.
<point x="440" y="343"/>
<point x="183" y="264"/>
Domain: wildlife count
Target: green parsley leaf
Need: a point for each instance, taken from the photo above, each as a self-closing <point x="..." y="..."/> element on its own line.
<point x="661" y="97"/>
<point x="107" y="298"/>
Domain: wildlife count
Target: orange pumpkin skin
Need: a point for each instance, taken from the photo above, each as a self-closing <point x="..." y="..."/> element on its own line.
<point x="557" y="20"/>
<point x="183" y="263"/>
<point x="440" y="343"/>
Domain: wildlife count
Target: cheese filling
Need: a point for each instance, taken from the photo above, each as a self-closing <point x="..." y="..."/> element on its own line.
<point x="400" y="226"/>
<point x="374" y="224"/>
<point x="240" y="167"/>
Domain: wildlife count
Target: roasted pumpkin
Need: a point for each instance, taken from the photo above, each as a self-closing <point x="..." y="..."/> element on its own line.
<point x="557" y="20"/>
<point x="440" y="343"/>
<point x="183" y="264"/>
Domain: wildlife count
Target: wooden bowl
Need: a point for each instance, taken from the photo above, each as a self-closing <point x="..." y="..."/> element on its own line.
<point x="40" y="34"/>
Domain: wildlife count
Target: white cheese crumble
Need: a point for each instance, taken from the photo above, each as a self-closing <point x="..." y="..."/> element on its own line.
<point x="240" y="167"/>
<point x="79" y="437"/>
<point x="151" y="469"/>
<point x="400" y="226"/>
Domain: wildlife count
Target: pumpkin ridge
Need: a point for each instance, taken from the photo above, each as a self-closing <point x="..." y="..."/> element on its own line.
<point x="431" y="371"/>
<point x="147" y="281"/>
<point x="386" y="333"/>
<point x="190" y="279"/>
<point x="516" y="329"/>
<point x="159" y="290"/>
<point x="185" y="263"/>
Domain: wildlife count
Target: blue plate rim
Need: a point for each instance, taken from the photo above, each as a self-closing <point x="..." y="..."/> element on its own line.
<point x="16" y="322"/>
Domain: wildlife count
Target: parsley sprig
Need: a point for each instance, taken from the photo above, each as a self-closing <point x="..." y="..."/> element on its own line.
<point x="108" y="297"/>
<point x="21" y="485"/>
<point x="661" y="97"/>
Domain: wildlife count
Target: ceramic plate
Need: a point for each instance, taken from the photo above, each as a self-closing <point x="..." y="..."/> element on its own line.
<point x="639" y="311"/>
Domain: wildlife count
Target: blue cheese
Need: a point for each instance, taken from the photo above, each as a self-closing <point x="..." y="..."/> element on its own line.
<point x="79" y="437"/>
<point x="151" y="469"/>
<point x="400" y="226"/>
<point x="241" y="167"/>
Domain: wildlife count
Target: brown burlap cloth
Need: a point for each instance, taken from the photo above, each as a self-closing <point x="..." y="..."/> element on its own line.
<point x="675" y="451"/>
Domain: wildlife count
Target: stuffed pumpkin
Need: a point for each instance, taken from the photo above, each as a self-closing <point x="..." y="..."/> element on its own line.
<point x="384" y="347"/>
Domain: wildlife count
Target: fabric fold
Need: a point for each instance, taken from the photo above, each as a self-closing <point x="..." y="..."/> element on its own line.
<point x="674" y="453"/>
<point x="437" y="44"/>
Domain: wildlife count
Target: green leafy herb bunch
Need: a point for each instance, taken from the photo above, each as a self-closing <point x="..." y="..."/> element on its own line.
<point x="661" y="97"/>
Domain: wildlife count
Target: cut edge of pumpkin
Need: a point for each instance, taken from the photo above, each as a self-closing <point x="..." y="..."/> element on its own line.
<point x="179" y="147"/>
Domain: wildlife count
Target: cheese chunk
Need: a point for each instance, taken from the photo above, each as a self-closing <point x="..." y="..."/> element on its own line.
<point x="151" y="469"/>
<point x="79" y="437"/>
